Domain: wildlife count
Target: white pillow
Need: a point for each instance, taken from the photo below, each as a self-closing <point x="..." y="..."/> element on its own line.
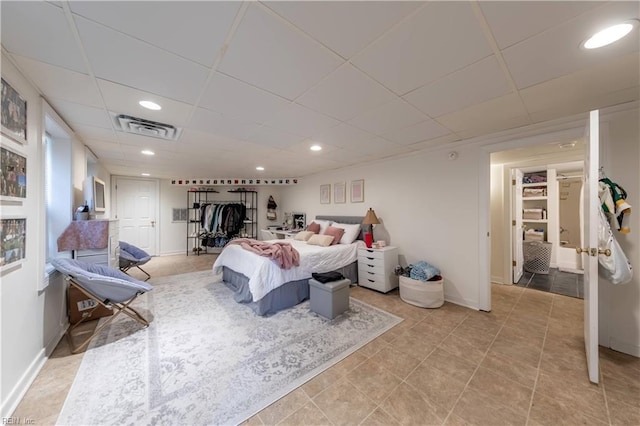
<point x="324" y="224"/>
<point x="320" y="240"/>
<point x="351" y="232"/>
<point x="303" y="235"/>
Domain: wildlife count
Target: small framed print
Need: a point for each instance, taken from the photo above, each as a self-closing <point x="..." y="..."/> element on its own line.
<point x="14" y="114"/>
<point x="357" y="191"/>
<point x="339" y="193"/>
<point x="13" y="172"/>
<point x="325" y="194"/>
<point x="13" y="236"/>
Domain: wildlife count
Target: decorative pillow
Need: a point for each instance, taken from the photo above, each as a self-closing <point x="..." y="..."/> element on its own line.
<point x="304" y="235"/>
<point x="324" y="224"/>
<point x="351" y="232"/>
<point x="314" y="228"/>
<point x="320" y="240"/>
<point x="336" y="233"/>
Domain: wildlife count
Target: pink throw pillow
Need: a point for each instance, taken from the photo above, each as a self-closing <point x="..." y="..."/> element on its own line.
<point x="336" y="233"/>
<point x="313" y="227"/>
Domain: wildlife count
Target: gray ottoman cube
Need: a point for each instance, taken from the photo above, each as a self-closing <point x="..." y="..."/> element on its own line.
<point x="329" y="299"/>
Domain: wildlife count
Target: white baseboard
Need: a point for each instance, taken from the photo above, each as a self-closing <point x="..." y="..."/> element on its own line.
<point x="497" y="279"/>
<point x="624" y="347"/>
<point x="462" y="302"/>
<point x="10" y="404"/>
<point x="172" y="253"/>
<point x="20" y="389"/>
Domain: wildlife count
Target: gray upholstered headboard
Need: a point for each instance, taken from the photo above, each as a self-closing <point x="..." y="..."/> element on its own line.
<point x="352" y="220"/>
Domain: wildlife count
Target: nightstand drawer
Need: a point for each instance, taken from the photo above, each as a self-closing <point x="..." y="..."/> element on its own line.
<point x="371" y="267"/>
<point x="375" y="282"/>
<point x="370" y="254"/>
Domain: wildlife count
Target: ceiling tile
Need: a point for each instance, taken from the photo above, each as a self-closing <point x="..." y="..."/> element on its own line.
<point x="217" y="124"/>
<point x="131" y="62"/>
<point x="430" y="143"/>
<point x="104" y="154"/>
<point x="197" y="32"/>
<point x="573" y="92"/>
<point x="302" y="121"/>
<point x="92" y="133"/>
<point x="346" y="93"/>
<point x="73" y="113"/>
<point x="441" y="38"/>
<point x="25" y="24"/>
<point x="268" y="53"/>
<point x="485" y="116"/>
<point x="512" y="22"/>
<point x="146" y="142"/>
<point x="346" y="27"/>
<point x="349" y="137"/>
<point x="121" y="99"/>
<point x="474" y="84"/>
<point x="393" y="115"/>
<point x="60" y="83"/>
<point x="425" y="130"/>
<point x="347" y="156"/>
<point x="556" y="52"/>
<point x="235" y="98"/>
<point x="275" y="138"/>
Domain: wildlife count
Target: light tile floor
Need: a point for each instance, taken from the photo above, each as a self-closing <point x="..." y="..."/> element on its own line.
<point x="522" y="363"/>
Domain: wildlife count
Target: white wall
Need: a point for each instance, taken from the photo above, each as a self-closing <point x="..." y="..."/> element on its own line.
<point x="32" y="303"/>
<point x="427" y="204"/>
<point x="499" y="251"/>
<point x="619" y="307"/>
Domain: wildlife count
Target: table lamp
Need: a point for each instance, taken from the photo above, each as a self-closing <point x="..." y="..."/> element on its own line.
<point x="370" y="219"/>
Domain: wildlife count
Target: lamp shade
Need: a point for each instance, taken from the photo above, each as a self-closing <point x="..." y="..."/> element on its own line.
<point x="370" y="218"/>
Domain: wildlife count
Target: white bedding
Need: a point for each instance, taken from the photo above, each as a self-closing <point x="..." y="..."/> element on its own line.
<point x="265" y="275"/>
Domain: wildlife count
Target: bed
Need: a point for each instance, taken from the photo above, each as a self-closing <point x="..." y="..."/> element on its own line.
<point x="259" y="283"/>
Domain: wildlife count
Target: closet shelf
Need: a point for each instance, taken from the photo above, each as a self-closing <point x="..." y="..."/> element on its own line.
<point x="535" y="220"/>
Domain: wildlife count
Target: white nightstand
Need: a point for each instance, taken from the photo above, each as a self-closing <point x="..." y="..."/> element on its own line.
<point x="375" y="268"/>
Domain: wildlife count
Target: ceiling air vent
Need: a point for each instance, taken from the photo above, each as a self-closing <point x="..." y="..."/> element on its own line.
<point x="142" y="127"/>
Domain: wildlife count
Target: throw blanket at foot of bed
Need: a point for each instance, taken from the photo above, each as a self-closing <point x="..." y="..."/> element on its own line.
<point x="283" y="253"/>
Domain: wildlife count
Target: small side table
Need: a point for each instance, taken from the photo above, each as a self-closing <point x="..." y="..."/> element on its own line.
<point x="329" y="299"/>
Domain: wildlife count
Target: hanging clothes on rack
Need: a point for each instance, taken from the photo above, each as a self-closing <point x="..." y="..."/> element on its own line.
<point x="221" y="222"/>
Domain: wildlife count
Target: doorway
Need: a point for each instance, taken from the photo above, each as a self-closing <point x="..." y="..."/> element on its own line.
<point x="534" y="180"/>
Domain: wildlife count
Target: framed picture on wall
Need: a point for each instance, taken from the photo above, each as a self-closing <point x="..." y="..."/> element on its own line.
<point x="13" y="235"/>
<point x="357" y="191"/>
<point x="13" y="175"/>
<point x="325" y="194"/>
<point x="14" y="114"/>
<point x="339" y="193"/>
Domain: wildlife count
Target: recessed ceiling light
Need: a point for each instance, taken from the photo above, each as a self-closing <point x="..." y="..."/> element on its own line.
<point x="150" y="105"/>
<point x="609" y="35"/>
<point x="315" y="148"/>
<point x="145" y="174"/>
<point x="260" y="168"/>
<point x="567" y="145"/>
<point x="148" y="152"/>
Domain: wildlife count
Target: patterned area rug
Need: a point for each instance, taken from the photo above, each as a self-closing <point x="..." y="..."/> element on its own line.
<point x="205" y="359"/>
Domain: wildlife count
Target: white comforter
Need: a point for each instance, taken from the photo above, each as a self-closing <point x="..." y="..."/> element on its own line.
<point x="265" y="275"/>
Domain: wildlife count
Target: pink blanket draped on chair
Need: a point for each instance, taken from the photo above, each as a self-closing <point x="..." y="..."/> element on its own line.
<point x="283" y="253"/>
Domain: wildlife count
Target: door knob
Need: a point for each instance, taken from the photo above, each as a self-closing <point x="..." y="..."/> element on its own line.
<point x="153" y="223"/>
<point x="593" y="251"/>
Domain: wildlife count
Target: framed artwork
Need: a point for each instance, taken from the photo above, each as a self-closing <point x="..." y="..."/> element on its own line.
<point x="339" y="193"/>
<point x="325" y="194"/>
<point x="14" y="114"/>
<point x="13" y="175"/>
<point x="13" y="235"/>
<point x="357" y="191"/>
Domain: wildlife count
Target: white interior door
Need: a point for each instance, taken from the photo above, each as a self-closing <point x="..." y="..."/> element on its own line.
<point x="516" y="224"/>
<point x="136" y="210"/>
<point x="590" y="243"/>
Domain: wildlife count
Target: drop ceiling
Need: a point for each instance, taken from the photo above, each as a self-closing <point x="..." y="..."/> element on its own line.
<point x="257" y="83"/>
